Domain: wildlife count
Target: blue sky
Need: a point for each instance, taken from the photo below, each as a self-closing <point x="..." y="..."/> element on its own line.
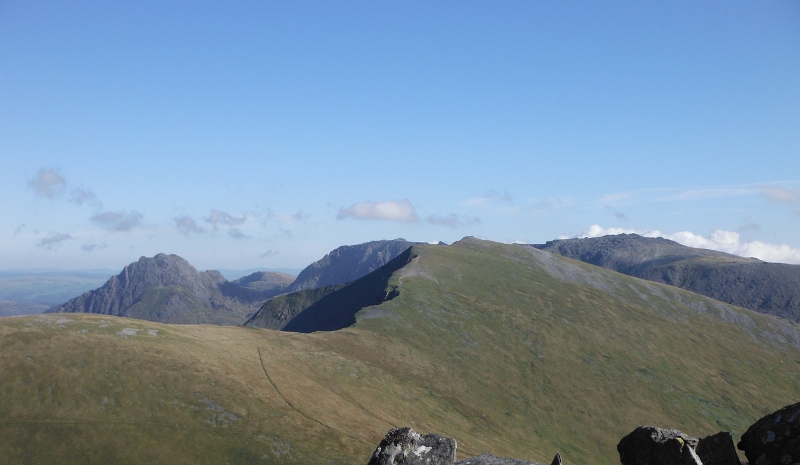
<point x="264" y="134"/>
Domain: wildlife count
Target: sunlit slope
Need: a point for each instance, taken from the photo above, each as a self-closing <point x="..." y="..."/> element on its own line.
<point x="508" y="349"/>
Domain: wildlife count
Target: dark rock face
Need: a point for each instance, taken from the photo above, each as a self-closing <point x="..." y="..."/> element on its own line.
<point x="167" y="289"/>
<point x="648" y="445"/>
<point x="331" y="307"/>
<point x="771" y="288"/>
<point x="489" y="459"/>
<point x="348" y="263"/>
<point x="774" y="439"/>
<point x="404" y="446"/>
<point x="717" y="449"/>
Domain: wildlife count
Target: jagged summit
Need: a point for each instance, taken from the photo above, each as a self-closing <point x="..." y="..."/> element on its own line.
<point x="168" y="289"/>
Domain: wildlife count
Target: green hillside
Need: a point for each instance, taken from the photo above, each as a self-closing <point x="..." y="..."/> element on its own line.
<point x="508" y="349"/>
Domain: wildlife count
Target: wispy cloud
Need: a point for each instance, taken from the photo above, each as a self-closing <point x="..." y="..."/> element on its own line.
<point x="47" y="183"/>
<point x="92" y="246"/>
<point x="236" y="233"/>
<point x="719" y="240"/>
<point x="547" y="203"/>
<point x="118" y="221"/>
<point x="81" y="195"/>
<point x="620" y="216"/>
<point x="453" y="220"/>
<point x="186" y="225"/>
<point x="782" y="194"/>
<point x="53" y="240"/>
<point x="711" y="193"/>
<point x="491" y="196"/>
<point x="219" y="218"/>
<point x="269" y="253"/>
<point x="618" y="199"/>
<point x="390" y="210"/>
<point x="301" y="216"/>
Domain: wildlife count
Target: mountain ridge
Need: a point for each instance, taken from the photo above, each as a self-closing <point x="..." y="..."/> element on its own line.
<point x="167" y="288"/>
<point x="771" y="288"/>
<point x="507" y="349"/>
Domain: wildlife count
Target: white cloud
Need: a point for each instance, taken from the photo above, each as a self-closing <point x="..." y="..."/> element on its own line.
<point x="453" y="220"/>
<point x="118" y="221"/>
<point x="186" y="225"/>
<point x="47" y="183"/>
<point x="719" y="240"/>
<point x="220" y="218"/>
<point x="93" y="246"/>
<point x="390" y="210"/>
<point x="52" y="241"/>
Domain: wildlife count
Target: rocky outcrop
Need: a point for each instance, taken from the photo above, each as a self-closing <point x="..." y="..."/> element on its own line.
<point x="404" y="446"/>
<point x="774" y="439"/>
<point x="718" y="449"/>
<point x="348" y="263"/>
<point x="649" y="445"/>
<point x="771" y="288"/>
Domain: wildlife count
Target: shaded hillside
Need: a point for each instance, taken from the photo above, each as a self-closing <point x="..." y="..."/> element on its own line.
<point x="348" y="263"/>
<point x="507" y="349"/>
<point x="331" y="307"/>
<point x="167" y="289"/>
<point x="772" y="288"/>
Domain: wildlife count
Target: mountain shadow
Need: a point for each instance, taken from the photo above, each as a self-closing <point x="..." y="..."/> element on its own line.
<point x="332" y="307"/>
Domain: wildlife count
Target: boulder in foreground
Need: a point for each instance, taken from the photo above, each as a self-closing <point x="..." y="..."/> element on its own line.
<point x="774" y="439"/>
<point x="648" y="445"/>
<point x="404" y="446"/>
<point x="718" y="449"/>
<point x="407" y="447"/>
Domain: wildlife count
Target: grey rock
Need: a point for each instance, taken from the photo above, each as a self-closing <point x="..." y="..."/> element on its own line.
<point x="774" y="439"/>
<point x="649" y="445"/>
<point x="489" y="459"/>
<point x="167" y="289"/>
<point x="404" y="446"/>
<point x="718" y="449"/>
<point x="348" y="263"/>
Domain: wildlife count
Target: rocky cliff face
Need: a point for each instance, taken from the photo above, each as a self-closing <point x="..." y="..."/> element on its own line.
<point x="348" y="263"/>
<point x="772" y="288"/>
<point x="167" y="289"/>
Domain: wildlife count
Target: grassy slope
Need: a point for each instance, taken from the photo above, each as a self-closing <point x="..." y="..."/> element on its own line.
<point x="508" y="350"/>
